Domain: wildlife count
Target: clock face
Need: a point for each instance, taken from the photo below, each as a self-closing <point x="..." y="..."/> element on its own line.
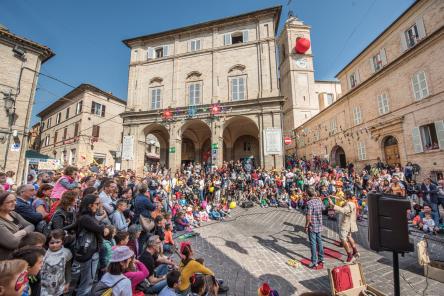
<point x="302" y="63"/>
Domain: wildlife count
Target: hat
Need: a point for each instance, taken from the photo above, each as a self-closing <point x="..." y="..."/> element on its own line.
<point x="183" y="245"/>
<point x="264" y="290"/>
<point x="121" y="253"/>
<point x="134" y="228"/>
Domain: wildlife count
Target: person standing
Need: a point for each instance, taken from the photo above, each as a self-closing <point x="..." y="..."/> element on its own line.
<point x="348" y="225"/>
<point x="313" y="227"/>
<point x="430" y="196"/>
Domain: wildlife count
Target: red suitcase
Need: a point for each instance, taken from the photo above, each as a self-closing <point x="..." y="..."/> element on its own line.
<point x="342" y="278"/>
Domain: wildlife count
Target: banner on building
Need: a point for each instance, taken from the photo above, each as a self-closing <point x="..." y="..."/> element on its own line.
<point x="272" y="141"/>
<point x="49" y="165"/>
<point x="128" y="148"/>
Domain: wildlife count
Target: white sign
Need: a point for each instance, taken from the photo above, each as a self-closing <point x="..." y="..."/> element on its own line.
<point x="127" y="148"/>
<point x="272" y="141"/>
<point x="49" y="165"/>
<point x="15" y="147"/>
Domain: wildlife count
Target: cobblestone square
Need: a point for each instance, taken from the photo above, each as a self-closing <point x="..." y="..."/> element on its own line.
<point x="253" y="246"/>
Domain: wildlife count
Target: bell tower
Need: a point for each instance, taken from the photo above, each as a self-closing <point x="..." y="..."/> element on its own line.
<point x="296" y="74"/>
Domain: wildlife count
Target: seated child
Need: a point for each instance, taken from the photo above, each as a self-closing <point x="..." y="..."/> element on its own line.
<point x="168" y="243"/>
<point x="203" y="215"/>
<point x="190" y="217"/>
<point x="428" y="225"/>
<point x="181" y="223"/>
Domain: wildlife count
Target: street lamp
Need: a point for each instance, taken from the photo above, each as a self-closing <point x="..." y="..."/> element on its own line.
<point x="9" y="103"/>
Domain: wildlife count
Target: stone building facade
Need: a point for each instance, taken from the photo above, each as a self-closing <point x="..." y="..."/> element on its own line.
<point x="83" y="127"/>
<point x="21" y="60"/>
<point x="392" y="102"/>
<point x="208" y="92"/>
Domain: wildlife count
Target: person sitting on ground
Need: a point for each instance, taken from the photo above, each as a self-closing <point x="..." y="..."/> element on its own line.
<point x="114" y="278"/>
<point x="150" y="257"/>
<point x="14" y="279"/>
<point x="189" y="266"/>
<point x="173" y="280"/>
<point x="13" y="227"/>
<point x="136" y="273"/>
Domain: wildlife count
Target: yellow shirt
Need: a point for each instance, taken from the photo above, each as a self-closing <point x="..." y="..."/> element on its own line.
<point x="187" y="271"/>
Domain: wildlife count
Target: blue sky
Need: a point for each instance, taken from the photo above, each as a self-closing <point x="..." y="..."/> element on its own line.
<point x="86" y="35"/>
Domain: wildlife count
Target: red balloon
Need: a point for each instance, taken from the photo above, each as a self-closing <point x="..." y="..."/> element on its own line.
<point x="302" y="45"/>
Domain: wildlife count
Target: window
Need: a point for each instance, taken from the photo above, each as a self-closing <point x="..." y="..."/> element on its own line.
<point x="236" y="37"/>
<point x="42" y="126"/>
<point x="49" y="122"/>
<point x="412" y="36"/>
<point x="362" y="154"/>
<point x="55" y="137"/>
<point x="420" y="88"/>
<point x="95" y="131"/>
<point x="79" y="107"/>
<point x="58" y="117"/>
<point x="72" y="159"/>
<point x="377" y="62"/>
<point x="195" y="45"/>
<point x="357" y="115"/>
<point x="330" y="99"/>
<point x="428" y="137"/>
<point x="155" y="98"/>
<point x="194" y="94"/>
<point x="65" y="133"/>
<point x="247" y="146"/>
<point x="238" y="88"/>
<point x="67" y="113"/>
<point x="98" y="109"/>
<point x="157" y="52"/>
<point x="353" y="80"/>
<point x="76" y="130"/>
<point x="383" y="104"/>
<point x="47" y="139"/>
<point x="333" y="126"/>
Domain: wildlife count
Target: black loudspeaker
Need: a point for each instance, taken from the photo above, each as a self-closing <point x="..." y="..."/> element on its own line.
<point x="387" y="223"/>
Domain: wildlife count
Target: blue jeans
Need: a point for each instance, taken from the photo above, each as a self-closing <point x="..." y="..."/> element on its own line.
<point x="435" y="210"/>
<point x="317" y="249"/>
<point x="157" y="287"/>
<point x="88" y="271"/>
<point x="161" y="270"/>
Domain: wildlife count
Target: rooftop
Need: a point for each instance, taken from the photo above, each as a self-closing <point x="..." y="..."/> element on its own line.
<point x="45" y="51"/>
<point x="275" y="10"/>
<point x="72" y="94"/>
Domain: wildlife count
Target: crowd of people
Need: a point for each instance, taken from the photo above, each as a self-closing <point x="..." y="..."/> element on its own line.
<point x="90" y="230"/>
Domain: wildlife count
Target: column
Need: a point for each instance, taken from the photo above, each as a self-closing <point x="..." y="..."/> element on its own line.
<point x="175" y="150"/>
<point x="217" y="141"/>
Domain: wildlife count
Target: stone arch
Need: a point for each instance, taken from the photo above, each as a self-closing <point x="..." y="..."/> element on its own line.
<point x="161" y="133"/>
<point x="195" y="133"/>
<point x="193" y="75"/>
<point x="156" y="80"/>
<point x="237" y="68"/>
<point x="241" y="139"/>
<point x="337" y="156"/>
<point x="390" y="150"/>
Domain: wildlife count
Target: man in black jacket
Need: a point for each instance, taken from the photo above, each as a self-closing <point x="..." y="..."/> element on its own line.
<point x="24" y="204"/>
<point x="430" y="196"/>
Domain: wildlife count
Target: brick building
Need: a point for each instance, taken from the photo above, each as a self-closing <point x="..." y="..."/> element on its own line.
<point x="392" y="99"/>
<point x="21" y="60"/>
<point x="83" y="127"/>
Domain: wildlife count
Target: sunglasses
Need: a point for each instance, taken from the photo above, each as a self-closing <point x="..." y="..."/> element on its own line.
<point x="21" y="280"/>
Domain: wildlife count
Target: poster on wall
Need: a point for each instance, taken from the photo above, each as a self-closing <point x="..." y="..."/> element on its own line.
<point x="272" y="141"/>
<point x="127" y="148"/>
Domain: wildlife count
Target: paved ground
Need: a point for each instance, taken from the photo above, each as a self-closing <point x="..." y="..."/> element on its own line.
<point x="254" y="245"/>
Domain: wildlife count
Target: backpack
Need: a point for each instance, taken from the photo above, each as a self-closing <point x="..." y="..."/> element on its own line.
<point x="85" y="242"/>
<point x="101" y="289"/>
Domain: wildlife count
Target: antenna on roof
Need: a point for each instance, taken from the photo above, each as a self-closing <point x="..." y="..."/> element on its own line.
<point x="290" y="12"/>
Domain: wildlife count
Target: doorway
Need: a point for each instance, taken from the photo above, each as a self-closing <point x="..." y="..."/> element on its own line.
<point x="338" y="157"/>
<point x="391" y="151"/>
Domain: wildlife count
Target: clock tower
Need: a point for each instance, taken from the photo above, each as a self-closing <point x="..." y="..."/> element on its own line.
<point x="296" y="75"/>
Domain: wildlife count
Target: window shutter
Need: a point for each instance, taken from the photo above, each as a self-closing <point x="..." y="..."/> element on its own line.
<point x="103" y="110"/>
<point x="245" y="36"/>
<point x="198" y="44"/>
<point x="150" y="53"/>
<point x="383" y="56"/>
<point x="93" y="104"/>
<point x="190" y="46"/>
<point x="416" y="139"/>
<point x="227" y="39"/>
<point x="404" y="46"/>
<point x="420" y="27"/>
<point x="439" y="127"/>
<point x="372" y="65"/>
<point x="165" y="50"/>
<point x="416" y="88"/>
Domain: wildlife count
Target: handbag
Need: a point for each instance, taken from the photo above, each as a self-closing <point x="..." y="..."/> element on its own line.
<point x="146" y="223"/>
